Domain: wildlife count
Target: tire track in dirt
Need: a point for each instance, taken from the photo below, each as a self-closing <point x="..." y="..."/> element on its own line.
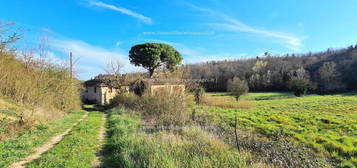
<point x="44" y="148"/>
<point x="98" y="162"/>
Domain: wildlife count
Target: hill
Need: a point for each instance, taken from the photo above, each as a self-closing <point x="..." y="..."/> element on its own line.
<point x="331" y="71"/>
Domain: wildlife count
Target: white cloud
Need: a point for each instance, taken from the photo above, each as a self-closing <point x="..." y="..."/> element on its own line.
<point x="49" y="57"/>
<point x="125" y="11"/>
<point x="91" y="59"/>
<point x="289" y="40"/>
<point x="197" y="55"/>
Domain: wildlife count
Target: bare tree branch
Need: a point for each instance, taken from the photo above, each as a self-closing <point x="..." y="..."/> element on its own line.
<point x="114" y="67"/>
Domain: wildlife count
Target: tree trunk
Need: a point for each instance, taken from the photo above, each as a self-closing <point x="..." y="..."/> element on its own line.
<point x="151" y="72"/>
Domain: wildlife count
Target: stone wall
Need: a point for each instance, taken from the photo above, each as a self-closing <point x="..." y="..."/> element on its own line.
<point x="167" y="89"/>
<point x="103" y="95"/>
<point x="100" y="95"/>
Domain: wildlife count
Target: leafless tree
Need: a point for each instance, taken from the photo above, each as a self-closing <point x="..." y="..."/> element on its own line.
<point x="114" y="67"/>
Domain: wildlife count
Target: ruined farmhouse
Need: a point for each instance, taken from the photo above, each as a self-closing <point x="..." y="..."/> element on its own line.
<point x="102" y="89"/>
<point x="98" y="91"/>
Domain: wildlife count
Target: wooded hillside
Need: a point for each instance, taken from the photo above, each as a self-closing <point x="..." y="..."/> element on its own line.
<point x="329" y="71"/>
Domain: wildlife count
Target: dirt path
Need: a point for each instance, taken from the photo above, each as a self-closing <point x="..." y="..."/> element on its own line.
<point x="50" y="144"/>
<point x="98" y="162"/>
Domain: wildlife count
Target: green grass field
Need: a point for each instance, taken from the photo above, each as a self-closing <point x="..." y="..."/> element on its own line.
<point x="17" y="148"/>
<point x="328" y="124"/>
<point x="78" y="149"/>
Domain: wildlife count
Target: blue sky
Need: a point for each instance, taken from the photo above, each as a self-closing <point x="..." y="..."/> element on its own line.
<point x="97" y="31"/>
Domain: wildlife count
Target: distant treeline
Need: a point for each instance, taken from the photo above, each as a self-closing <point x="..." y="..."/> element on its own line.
<point x="330" y="71"/>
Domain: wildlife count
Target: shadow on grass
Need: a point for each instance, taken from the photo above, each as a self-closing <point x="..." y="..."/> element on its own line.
<point x="96" y="107"/>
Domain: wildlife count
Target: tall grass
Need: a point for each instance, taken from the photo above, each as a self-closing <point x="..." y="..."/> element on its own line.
<point x="159" y="110"/>
<point x="128" y="146"/>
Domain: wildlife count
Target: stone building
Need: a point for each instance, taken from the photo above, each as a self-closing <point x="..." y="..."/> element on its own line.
<point x="101" y="90"/>
<point x="98" y="93"/>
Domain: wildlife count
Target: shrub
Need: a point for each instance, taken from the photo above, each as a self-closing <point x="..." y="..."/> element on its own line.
<point x="129" y="101"/>
<point x="33" y="80"/>
<point x="237" y="87"/>
<point x="161" y="110"/>
<point x="300" y="86"/>
<point x="46" y="90"/>
<point x="199" y="95"/>
<point x="164" y="110"/>
<point x="139" y="87"/>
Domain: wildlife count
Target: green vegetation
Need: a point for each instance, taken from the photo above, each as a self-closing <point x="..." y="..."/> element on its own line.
<point x="17" y="148"/>
<point x="237" y="87"/>
<point x="199" y="95"/>
<point x="262" y="95"/>
<point x="129" y="146"/>
<point x="327" y="124"/>
<point x="300" y="86"/>
<point x="155" y="55"/>
<point x="77" y="149"/>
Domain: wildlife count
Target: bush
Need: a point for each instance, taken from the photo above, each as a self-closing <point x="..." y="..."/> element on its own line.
<point x="37" y="83"/>
<point x="199" y="95"/>
<point x="300" y="86"/>
<point x="160" y="110"/>
<point x="163" y="110"/>
<point x="139" y="87"/>
<point x="237" y="87"/>
<point x="129" y="101"/>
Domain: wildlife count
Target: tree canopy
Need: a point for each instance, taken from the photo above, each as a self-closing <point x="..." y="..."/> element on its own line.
<point x="155" y="55"/>
<point x="333" y="70"/>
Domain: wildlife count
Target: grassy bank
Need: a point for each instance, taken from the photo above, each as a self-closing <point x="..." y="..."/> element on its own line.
<point x="43" y="89"/>
<point x="130" y="146"/>
<point x="10" y="120"/>
<point x="17" y="148"/>
<point x="77" y="149"/>
<point x="327" y="124"/>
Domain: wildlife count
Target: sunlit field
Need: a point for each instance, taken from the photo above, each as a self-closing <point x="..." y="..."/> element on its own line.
<point x="327" y="124"/>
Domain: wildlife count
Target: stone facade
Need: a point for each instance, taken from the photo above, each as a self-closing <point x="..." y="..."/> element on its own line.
<point x="99" y="94"/>
<point x="96" y="91"/>
<point x="167" y="89"/>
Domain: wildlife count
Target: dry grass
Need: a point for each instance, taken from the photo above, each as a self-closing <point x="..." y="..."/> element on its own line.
<point x="32" y="90"/>
<point x="225" y="101"/>
<point x="129" y="146"/>
<point x="15" y="118"/>
<point x="163" y="110"/>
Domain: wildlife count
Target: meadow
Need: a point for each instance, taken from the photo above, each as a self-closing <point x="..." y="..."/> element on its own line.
<point x="327" y="124"/>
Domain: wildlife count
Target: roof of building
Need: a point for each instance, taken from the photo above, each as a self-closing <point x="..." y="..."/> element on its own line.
<point x="104" y="80"/>
<point x="119" y="80"/>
